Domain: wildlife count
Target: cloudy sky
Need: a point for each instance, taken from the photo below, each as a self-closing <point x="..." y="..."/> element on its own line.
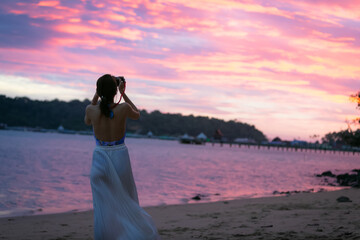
<point x="287" y="67"/>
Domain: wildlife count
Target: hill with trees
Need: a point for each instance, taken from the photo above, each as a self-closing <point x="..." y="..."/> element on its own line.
<point x="22" y="111"/>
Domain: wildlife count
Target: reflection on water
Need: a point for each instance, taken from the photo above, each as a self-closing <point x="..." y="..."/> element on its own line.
<point x="48" y="172"/>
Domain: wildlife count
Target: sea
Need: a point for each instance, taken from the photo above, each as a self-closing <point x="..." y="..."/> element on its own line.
<point x="42" y="173"/>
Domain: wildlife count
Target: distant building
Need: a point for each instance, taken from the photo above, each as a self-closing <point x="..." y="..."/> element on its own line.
<point x="61" y="128"/>
<point x="149" y="134"/>
<point x="277" y="141"/>
<point x="201" y="137"/>
<point x="244" y="140"/>
<point x="218" y="135"/>
<point x="298" y="143"/>
<point x="186" y="139"/>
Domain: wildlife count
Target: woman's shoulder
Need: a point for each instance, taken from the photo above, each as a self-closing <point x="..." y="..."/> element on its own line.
<point x="123" y="105"/>
<point x="122" y="109"/>
<point x="91" y="107"/>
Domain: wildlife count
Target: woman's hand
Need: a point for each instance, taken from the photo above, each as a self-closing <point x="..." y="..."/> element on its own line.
<point x="122" y="87"/>
<point x="95" y="99"/>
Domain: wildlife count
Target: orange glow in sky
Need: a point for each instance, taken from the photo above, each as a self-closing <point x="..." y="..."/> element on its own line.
<point x="287" y="67"/>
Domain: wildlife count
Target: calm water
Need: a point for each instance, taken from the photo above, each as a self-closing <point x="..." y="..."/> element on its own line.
<point x="48" y="172"/>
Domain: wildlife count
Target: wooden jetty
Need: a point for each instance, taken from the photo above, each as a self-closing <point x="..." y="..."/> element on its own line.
<point x="287" y="148"/>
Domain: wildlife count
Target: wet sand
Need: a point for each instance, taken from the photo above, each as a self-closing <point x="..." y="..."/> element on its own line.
<point x="298" y="216"/>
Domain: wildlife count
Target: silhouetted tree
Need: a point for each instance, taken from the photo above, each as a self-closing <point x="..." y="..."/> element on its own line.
<point x="356" y="98"/>
<point x="346" y="137"/>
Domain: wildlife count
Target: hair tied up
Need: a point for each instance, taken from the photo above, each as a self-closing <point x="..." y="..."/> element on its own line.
<point x="106" y="89"/>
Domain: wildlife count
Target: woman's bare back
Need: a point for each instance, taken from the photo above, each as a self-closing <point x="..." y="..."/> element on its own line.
<point x="105" y="128"/>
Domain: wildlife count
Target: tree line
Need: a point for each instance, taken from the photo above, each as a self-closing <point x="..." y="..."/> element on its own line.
<point x="346" y="137"/>
<point x="22" y="111"/>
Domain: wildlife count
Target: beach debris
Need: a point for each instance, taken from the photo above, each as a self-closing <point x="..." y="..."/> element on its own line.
<point x="198" y="197"/>
<point x="267" y="226"/>
<point x="287" y="193"/>
<point x="343" y="199"/>
<point x="313" y="224"/>
<point x="237" y="235"/>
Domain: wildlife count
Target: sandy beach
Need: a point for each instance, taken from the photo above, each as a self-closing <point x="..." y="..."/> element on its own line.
<point x="298" y="216"/>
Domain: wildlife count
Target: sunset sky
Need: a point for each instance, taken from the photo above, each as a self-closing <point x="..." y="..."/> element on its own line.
<point x="287" y="67"/>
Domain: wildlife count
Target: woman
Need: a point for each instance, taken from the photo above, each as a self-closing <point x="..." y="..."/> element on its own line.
<point x="117" y="214"/>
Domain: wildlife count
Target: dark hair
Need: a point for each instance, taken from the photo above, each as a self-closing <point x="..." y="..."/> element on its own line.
<point x="106" y="89"/>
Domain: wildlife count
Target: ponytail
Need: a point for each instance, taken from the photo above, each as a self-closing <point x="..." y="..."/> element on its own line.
<point x="106" y="88"/>
<point x="104" y="107"/>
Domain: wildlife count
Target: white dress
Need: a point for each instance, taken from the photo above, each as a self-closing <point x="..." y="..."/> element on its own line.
<point x="117" y="214"/>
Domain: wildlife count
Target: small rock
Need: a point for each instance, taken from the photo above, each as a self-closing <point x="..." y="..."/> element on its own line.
<point x="238" y="235"/>
<point x="343" y="199"/>
<point x="197" y="197"/>
<point x="347" y="179"/>
<point x="313" y="225"/>
<point x="326" y="174"/>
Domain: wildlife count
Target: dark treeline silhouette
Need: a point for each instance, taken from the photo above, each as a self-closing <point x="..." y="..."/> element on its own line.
<point x="45" y="114"/>
<point x="51" y="114"/>
<point x="346" y="137"/>
<point x="177" y="124"/>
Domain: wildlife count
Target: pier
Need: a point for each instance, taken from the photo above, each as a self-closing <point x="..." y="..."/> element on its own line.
<point x="285" y="148"/>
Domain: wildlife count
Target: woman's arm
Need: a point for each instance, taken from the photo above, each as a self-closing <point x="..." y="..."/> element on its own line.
<point x="95" y="99"/>
<point x="87" y="119"/>
<point x="132" y="110"/>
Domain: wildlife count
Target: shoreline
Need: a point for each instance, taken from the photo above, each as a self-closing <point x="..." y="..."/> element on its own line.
<point x="297" y="216"/>
<point x="201" y="200"/>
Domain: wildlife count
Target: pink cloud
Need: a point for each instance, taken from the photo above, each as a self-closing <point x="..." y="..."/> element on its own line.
<point x="202" y="57"/>
<point x="48" y="3"/>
